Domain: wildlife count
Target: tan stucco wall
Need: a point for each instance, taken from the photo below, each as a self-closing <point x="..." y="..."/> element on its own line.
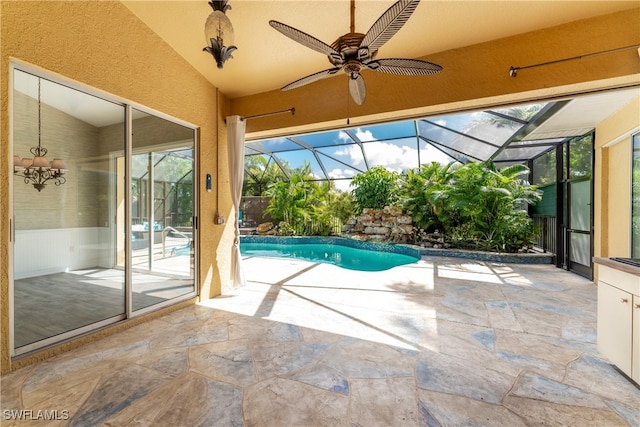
<point x="473" y="77"/>
<point x="612" y="195"/>
<point x="101" y="44"/>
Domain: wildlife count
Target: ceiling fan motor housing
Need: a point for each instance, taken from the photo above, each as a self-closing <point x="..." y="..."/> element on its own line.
<point x="349" y="48"/>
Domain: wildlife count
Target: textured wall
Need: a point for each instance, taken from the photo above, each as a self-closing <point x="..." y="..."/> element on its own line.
<point x="473" y="77"/>
<point x="612" y="220"/>
<point x="101" y="44"/>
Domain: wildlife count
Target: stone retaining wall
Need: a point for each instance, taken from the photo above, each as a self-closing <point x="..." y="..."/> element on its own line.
<point x="390" y="224"/>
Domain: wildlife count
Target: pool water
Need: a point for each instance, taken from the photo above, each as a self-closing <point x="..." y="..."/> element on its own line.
<point x="342" y="256"/>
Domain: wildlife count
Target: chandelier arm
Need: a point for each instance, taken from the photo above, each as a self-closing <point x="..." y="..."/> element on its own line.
<point x="39" y="171"/>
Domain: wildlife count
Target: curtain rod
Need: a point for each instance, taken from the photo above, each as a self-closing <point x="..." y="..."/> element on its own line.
<point x="291" y="110"/>
<point x="513" y="71"/>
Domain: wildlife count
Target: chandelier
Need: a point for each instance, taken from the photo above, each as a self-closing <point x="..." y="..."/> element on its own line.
<point x="218" y="31"/>
<point x="38" y="170"/>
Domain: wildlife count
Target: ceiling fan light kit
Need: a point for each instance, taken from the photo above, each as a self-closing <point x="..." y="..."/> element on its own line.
<point x="353" y="52"/>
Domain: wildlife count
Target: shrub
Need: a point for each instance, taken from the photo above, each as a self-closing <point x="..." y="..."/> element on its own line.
<point x="285" y="229"/>
<point x="375" y="188"/>
<point x="490" y="206"/>
<point x="306" y="207"/>
<point x="418" y="194"/>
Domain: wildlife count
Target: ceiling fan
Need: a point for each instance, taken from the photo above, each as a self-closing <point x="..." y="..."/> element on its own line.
<point x="353" y="52"/>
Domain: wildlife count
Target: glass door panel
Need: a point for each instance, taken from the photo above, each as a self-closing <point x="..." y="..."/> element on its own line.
<point x="162" y="207"/>
<point x="66" y="273"/>
<point x="580" y="209"/>
<point x="580" y="249"/>
<point x="579" y="194"/>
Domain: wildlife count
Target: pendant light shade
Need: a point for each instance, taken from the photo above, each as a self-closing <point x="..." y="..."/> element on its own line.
<point x="218" y="32"/>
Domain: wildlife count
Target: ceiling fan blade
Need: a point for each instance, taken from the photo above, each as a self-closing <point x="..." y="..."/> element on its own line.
<point x="357" y="89"/>
<point x="311" y="78"/>
<point x="388" y="24"/>
<point x="404" y="66"/>
<point x="304" y="38"/>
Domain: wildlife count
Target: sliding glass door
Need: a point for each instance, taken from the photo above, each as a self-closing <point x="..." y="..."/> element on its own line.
<point x="102" y="211"/>
<point x="64" y="277"/>
<point x="162" y="195"/>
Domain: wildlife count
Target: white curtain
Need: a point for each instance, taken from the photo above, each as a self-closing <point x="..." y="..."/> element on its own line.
<point x="235" y="139"/>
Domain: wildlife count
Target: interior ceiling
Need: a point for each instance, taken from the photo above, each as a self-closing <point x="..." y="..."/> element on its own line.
<point x="267" y="60"/>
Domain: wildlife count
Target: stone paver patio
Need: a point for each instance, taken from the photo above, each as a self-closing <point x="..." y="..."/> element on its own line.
<point x="444" y="342"/>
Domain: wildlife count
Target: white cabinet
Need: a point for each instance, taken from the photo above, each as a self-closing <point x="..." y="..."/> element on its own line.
<point x="619" y="319"/>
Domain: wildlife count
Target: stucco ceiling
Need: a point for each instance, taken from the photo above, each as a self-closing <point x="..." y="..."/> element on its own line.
<point x="267" y="60"/>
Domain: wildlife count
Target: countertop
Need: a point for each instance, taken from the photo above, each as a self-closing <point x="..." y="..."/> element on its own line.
<point x="617" y="265"/>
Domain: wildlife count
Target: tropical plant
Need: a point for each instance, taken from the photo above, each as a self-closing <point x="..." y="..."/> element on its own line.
<point x="375" y="188"/>
<point x="474" y="205"/>
<point x="285" y="229"/>
<point x="418" y="193"/>
<point x="304" y="206"/>
<point x="490" y="206"/>
<point x="329" y="210"/>
<point x="289" y="198"/>
<point x="341" y="204"/>
<point x="261" y="172"/>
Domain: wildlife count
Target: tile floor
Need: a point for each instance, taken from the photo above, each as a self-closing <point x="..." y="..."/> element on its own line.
<point x="445" y="342"/>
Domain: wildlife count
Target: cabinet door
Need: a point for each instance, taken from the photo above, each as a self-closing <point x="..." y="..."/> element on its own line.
<point x="614" y="325"/>
<point x="635" y="352"/>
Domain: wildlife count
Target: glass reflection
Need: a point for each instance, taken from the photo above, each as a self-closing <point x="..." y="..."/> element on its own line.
<point x="162" y="200"/>
<point x="273" y="145"/>
<point x="458" y="142"/>
<point x="66" y="253"/>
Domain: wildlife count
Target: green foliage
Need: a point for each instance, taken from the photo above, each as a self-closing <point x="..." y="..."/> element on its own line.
<point x="260" y="174"/>
<point x="330" y="210"/>
<point x="418" y="194"/>
<point x="375" y="188"/>
<point x="305" y="207"/>
<point x="580" y="153"/>
<point x="635" y="201"/>
<point x="290" y="199"/>
<point x="475" y="205"/>
<point x="285" y="229"/>
<point x="341" y="204"/>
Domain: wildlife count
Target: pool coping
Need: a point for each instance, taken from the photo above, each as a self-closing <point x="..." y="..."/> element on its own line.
<point x="406" y="249"/>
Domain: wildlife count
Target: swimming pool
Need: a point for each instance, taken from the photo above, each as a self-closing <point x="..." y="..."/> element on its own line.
<point x="368" y="257"/>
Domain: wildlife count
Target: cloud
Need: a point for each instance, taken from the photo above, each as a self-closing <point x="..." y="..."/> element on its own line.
<point x="353" y="152"/>
<point x="392" y="156"/>
<point x="339" y="175"/>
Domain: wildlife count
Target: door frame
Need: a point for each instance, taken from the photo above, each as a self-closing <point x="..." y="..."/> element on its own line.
<point x="16" y="65"/>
